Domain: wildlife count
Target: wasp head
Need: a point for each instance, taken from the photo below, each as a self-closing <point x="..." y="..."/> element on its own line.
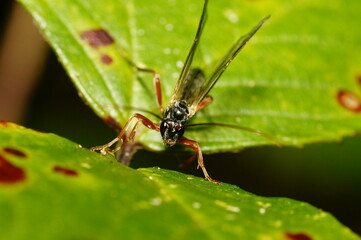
<point x="172" y="126"/>
<point x="171" y="132"/>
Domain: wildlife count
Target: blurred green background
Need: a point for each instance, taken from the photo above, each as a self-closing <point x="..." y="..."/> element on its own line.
<point x="326" y="175"/>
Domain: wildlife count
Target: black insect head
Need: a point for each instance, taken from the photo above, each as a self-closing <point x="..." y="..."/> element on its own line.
<point x="171" y="128"/>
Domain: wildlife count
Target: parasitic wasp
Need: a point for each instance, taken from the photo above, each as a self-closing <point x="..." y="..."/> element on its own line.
<point x="190" y="96"/>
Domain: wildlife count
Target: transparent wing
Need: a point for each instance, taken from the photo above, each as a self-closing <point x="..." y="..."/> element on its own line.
<point x="227" y="59"/>
<point x="192" y="87"/>
<point x="191" y="80"/>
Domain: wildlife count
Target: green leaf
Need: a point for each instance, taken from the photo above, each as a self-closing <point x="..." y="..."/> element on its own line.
<point x="296" y="80"/>
<point x="67" y="192"/>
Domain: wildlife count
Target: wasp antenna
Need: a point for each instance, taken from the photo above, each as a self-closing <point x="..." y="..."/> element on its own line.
<point x="247" y="129"/>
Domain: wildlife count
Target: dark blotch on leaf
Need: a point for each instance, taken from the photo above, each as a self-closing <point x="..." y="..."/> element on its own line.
<point x="298" y="236"/>
<point x="349" y="101"/>
<point x="9" y="173"/>
<point x="15" y="152"/>
<point x="65" y="171"/>
<point x="97" y="38"/>
<point x="105" y="58"/>
<point x="3" y="123"/>
<point x="112" y="122"/>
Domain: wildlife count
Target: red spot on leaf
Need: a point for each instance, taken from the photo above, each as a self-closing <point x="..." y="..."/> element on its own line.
<point x="349" y="101"/>
<point x="3" y="123"/>
<point x="9" y="173"/>
<point x="298" y="236"/>
<point x="65" y="171"/>
<point x="112" y="122"/>
<point x="97" y="38"/>
<point x="106" y="59"/>
<point x="15" y="152"/>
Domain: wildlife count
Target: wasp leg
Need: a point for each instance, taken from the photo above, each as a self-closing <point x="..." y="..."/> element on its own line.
<point x="156" y="82"/>
<point x="122" y="135"/>
<point x="126" y="138"/>
<point x="157" y="86"/>
<point x="204" y="103"/>
<point x="195" y="146"/>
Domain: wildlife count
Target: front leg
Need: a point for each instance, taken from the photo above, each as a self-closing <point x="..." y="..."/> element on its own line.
<point x="122" y="135"/>
<point x="195" y="146"/>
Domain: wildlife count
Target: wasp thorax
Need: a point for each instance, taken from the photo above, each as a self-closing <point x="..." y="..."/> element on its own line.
<point x="172" y="126"/>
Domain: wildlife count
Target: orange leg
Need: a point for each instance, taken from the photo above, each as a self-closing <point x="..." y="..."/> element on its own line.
<point x="122" y="135"/>
<point x="195" y="146"/>
<point x="205" y="102"/>
<point x="157" y="86"/>
<point x="156" y="80"/>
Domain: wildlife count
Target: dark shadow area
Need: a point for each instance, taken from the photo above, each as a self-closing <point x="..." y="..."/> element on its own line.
<point x="56" y="107"/>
